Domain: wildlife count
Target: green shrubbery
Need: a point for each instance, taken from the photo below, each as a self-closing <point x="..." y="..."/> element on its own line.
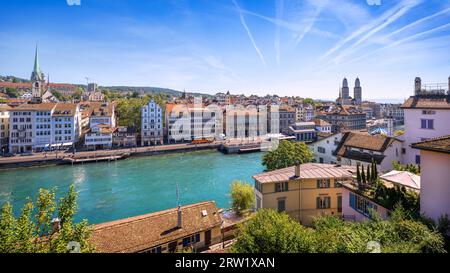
<point x="287" y="154"/>
<point x="271" y="232"/>
<point x="32" y="231"/>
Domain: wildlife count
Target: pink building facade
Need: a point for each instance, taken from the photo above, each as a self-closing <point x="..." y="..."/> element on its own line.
<point x="356" y="207"/>
<point x="435" y="177"/>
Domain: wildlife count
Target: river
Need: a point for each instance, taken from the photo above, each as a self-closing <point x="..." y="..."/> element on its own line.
<point x="110" y="191"/>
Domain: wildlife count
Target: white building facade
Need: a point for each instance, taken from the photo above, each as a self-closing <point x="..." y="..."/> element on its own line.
<point x="44" y="126"/>
<point x="152" y="131"/>
<point x="324" y="149"/>
<point x="4" y="128"/>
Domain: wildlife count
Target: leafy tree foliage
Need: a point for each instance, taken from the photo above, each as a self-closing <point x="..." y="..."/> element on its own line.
<point x="268" y="231"/>
<point x="12" y="92"/>
<point x="271" y="232"/>
<point x="287" y="154"/>
<point x="129" y="109"/>
<point x="415" y="169"/>
<point x="242" y="196"/>
<point x="32" y="231"/>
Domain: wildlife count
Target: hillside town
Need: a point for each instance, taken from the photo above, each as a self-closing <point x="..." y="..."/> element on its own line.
<point x="358" y="148"/>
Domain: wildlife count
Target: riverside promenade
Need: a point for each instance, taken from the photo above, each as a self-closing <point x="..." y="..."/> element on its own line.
<point x="55" y="158"/>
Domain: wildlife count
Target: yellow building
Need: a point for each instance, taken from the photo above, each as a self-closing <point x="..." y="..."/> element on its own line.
<point x="195" y="226"/>
<point x="303" y="191"/>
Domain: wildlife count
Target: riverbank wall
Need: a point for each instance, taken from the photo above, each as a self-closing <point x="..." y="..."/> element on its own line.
<point x="149" y="151"/>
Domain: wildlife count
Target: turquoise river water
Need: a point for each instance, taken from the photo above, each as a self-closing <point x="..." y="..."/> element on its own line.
<point x="109" y="191"/>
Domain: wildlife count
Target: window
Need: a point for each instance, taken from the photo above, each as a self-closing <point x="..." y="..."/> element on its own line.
<point x="418" y="159"/>
<point x="156" y="250"/>
<point x="280" y="187"/>
<point x="258" y="186"/>
<point x="361" y="204"/>
<point x="281" y="205"/>
<point x="323" y="202"/>
<point x="427" y="124"/>
<point x="339" y="203"/>
<point x="323" y="183"/>
<point x="321" y="150"/>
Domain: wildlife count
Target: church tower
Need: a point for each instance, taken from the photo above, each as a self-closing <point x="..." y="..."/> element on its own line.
<point x="357" y="92"/>
<point x="37" y="79"/>
<point x="345" y="92"/>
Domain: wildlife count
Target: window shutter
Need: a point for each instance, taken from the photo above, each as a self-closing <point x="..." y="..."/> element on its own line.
<point x="352" y="201"/>
<point x="318" y="202"/>
<point x="328" y="202"/>
<point x="286" y="188"/>
<point x="318" y="184"/>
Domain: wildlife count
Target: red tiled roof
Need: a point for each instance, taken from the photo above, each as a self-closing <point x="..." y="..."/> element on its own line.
<point x="140" y="233"/>
<point x="440" y="144"/>
<point x="307" y="171"/>
<point x="427" y="102"/>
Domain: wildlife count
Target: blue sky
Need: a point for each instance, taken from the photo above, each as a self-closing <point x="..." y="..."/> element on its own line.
<point x="287" y="47"/>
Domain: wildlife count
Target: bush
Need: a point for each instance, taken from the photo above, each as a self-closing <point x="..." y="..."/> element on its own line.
<point x="268" y="231"/>
<point x="242" y="196"/>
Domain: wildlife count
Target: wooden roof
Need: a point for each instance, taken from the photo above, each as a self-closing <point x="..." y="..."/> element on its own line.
<point x="427" y="102"/>
<point x="440" y="144"/>
<point x="140" y="233"/>
<point x="307" y="171"/>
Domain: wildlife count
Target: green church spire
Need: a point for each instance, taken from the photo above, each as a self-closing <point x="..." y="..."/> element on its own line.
<point x="36" y="61"/>
<point x="36" y="75"/>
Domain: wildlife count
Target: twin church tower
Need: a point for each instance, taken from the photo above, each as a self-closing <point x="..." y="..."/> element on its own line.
<point x="344" y="93"/>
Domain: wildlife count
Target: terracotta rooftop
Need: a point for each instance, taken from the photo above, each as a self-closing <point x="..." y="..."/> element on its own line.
<point x="360" y="140"/>
<point x="22" y="85"/>
<point x="140" y="233"/>
<point x="440" y="144"/>
<point x="46" y="106"/>
<point x="65" y="109"/>
<point x="343" y="110"/>
<point x="307" y="171"/>
<point x="321" y="122"/>
<point x="427" y="102"/>
<point x="378" y="143"/>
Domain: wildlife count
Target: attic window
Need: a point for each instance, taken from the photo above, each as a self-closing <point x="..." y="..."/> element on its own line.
<point x="204" y="213"/>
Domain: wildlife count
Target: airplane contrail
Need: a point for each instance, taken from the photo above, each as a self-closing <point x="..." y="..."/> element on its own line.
<point x="250" y="36"/>
<point x="402" y="41"/>
<point x="385" y="16"/>
<point x="402" y="11"/>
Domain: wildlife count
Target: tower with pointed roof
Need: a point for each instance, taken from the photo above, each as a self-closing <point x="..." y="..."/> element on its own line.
<point x="37" y="78"/>
<point x="357" y="92"/>
<point x="345" y="92"/>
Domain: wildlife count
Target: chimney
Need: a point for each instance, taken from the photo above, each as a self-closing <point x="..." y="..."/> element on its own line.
<point x="449" y="85"/>
<point x="297" y="169"/>
<point x="56" y="225"/>
<point x="417" y="86"/>
<point x="179" y="223"/>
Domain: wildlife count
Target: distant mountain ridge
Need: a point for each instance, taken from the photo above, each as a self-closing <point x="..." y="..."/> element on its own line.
<point x="151" y="90"/>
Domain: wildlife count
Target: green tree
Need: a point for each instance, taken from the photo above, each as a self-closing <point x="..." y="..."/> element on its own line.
<point x="358" y="173"/>
<point x="33" y="230"/>
<point x="287" y="154"/>
<point x="12" y="92"/>
<point x="369" y="174"/>
<point x="8" y="225"/>
<point x="363" y="175"/>
<point x="309" y="101"/>
<point x="268" y="231"/>
<point x="242" y="196"/>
